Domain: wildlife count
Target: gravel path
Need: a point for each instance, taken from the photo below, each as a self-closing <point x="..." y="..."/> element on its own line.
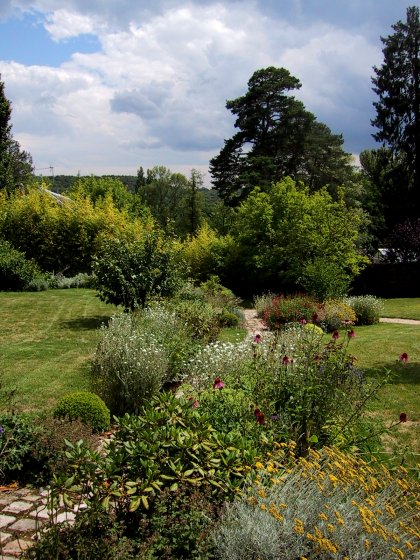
<point x="399" y="321"/>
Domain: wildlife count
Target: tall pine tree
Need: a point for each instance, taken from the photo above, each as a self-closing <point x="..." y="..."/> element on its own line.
<point x="397" y="84"/>
<point x="15" y="164"/>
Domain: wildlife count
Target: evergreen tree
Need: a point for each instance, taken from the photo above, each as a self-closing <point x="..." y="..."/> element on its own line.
<point x="277" y="137"/>
<point x="15" y="164"/>
<point x="398" y="108"/>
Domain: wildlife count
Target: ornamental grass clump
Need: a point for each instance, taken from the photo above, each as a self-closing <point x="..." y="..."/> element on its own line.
<point x="326" y="506"/>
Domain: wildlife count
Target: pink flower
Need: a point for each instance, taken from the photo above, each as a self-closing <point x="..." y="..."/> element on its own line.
<point x="404" y="358"/>
<point x="403" y="417"/>
<point x="195" y="403"/>
<point x="218" y="383"/>
<point x="257" y="338"/>
<point x="335" y="335"/>
<point x="303" y="321"/>
<point x="286" y="361"/>
<point x="351" y="333"/>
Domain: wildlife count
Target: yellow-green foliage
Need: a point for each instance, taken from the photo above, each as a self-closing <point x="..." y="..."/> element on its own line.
<point x="62" y="236"/>
<point x="205" y="252"/>
<point x="337" y="314"/>
<point x="326" y="506"/>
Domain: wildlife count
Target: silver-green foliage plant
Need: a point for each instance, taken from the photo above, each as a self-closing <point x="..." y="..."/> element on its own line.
<point x="139" y="353"/>
<point x="129" y="366"/>
<point x="327" y="506"/>
<point x="368" y="308"/>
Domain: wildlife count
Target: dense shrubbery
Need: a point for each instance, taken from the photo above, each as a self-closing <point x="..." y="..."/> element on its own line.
<point x="16" y="272"/>
<point x="290" y="309"/>
<point x="336" y="314"/>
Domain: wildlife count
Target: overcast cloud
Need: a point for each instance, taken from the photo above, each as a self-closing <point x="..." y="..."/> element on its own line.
<point x="106" y="86"/>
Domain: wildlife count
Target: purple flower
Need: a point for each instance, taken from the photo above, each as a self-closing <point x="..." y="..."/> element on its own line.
<point x="257" y="338"/>
<point x="351" y="333"/>
<point x="335" y="335"/>
<point x="286" y="361"/>
<point x="218" y="383"/>
<point x="303" y="321"/>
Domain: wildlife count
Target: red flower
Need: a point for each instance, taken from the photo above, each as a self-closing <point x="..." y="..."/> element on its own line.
<point x="315" y="317"/>
<point x="351" y="333"/>
<point x="335" y="335"/>
<point x="218" y="383"/>
<point x="403" y="417"/>
<point x="404" y="358"/>
<point x="259" y="416"/>
<point x="257" y="338"/>
<point x="286" y="360"/>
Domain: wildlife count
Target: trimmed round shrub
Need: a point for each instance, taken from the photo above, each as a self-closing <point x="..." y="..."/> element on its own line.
<point x="86" y="407"/>
<point x="228" y="319"/>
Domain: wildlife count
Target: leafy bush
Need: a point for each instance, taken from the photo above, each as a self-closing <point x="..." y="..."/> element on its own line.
<point x="17" y="441"/>
<point x="131" y="273"/>
<point x="200" y="316"/>
<point x="86" y="407"/>
<point x="368" y="309"/>
<point x="16" y="272"/>
<point x="290" y="309"/>
<point x="323" y="279"/>
<point x="228" y="319"/>
<point x="170" y="445"/>
<point x="336" y="314"/>
<point x="81" y="280"/>
<point x="354" y="511"/>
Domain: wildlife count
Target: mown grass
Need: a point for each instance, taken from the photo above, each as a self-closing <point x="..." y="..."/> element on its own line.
<point x="378" y="348"/>
<point x="46" y="340"/>
<point x="403" y="308"/>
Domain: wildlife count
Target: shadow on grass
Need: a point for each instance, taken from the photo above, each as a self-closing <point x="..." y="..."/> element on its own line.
<point x="86" y="323"/>
<point x="400" y="373"/>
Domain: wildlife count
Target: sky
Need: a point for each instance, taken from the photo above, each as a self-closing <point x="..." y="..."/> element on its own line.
<point x="106" y="86"/>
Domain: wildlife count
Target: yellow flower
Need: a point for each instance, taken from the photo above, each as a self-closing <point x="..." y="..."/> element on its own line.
<point x="298" y="528"/>
<point x="323" y="516"/>
<point x="367" y="544"/>
<point x="259" y="465"/>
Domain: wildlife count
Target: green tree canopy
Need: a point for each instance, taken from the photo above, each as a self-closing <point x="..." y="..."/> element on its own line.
<point x="288" y="236"/>
<point x="397" y="84"/>
<point x="277" y="137"/>
<point x="15" y="164"/>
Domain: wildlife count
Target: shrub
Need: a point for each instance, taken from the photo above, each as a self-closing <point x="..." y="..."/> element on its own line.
<point x="368" y="309"/>
<point x="228" y="319"/>
<point x="131" y="273"/>
<point x="86" y="407"/>
<point x="17" y="441"/>
<point x="323" y="278"/>
<point x="290" y="309"/>
<point x="200" y="316"/>
<point x="129" y="366"/>
<point x="262" y="302"/>
<point x="16" y="272"/>
<point x="354" y="511"/>
<point x="336" y="314"/>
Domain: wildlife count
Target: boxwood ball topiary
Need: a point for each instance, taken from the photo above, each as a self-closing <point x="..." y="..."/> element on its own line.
<point x="86" y="407"/>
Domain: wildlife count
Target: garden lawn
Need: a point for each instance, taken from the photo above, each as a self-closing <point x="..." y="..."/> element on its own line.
<point x="46" y="340"/>
<point x="402" y="308"/>
<point x="378" y="348"/>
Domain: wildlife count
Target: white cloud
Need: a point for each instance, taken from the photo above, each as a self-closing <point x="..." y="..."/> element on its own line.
<point x="155" y="93"/>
